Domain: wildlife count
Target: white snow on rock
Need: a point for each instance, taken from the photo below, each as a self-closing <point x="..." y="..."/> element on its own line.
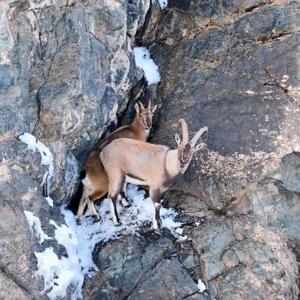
<point x="35" y="226"/>
<point x="285" y="78"/>
<point x="80" y="241"/>
<point x="162" y="3"/>
<point x="142" y="60"/>
<point x="59" y="274"/>
<point x="49" y="200"/>
<point x="201" y="286"/>
<point x="249" y="92"/>
<point x="47" y="157"/>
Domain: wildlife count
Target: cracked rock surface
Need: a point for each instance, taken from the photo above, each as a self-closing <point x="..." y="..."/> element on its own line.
<point x="66" y="68"/>
<point x="67" y="72"/>
<point x="234" y="68"/>
<point x="141" y="268"/>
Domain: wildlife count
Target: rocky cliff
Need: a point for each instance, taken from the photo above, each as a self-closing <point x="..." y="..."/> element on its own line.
<point x="67" y="75"/>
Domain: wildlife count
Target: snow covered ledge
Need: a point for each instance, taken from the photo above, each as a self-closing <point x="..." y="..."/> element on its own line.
<point x="66" y="274"/>
<point x="47" y="159"/>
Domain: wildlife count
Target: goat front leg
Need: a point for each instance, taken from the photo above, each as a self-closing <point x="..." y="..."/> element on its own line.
<point x="155" y="195"/>
<point x="114" y="190"/>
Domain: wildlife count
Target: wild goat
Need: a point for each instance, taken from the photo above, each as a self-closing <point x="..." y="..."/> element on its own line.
<point x="143" y="163"/>
<point x="95" y="183"/>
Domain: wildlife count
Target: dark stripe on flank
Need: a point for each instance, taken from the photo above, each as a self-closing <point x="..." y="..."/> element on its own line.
<point x="135" y="177"/>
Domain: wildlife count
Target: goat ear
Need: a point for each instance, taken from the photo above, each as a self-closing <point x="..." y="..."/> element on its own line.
<point x="177" y="139"/>
<point x="154" y="109"/>
<point x="199" y="147"/>
<point x="137" y="109"/>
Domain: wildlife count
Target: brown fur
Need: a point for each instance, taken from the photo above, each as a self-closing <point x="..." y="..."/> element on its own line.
<point x="156" y="165"/>
<point x="95" y="184"/>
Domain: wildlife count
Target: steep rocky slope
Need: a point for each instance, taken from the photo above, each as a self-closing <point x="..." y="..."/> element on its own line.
<point x="67" y="73"/>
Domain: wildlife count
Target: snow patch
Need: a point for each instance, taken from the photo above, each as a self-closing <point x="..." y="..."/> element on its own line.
<point x="162" y="3"/>
<point x="143" y="61"/>
<point x="201" y="286"/>
<point x="47" y="157"/>
<point x="249" y="92"/>
<point x="79" y="240"/>
<point x="285" y="78"/>
<point x="35" y="226"/>
<point x="50" y="201"/>
<point x="59" y="274"/>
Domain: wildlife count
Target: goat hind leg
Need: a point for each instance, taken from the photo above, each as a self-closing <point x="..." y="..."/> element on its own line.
<point x="81" y="207"/>
<point x="92" y="208"/>
<point x="123" y="196"/>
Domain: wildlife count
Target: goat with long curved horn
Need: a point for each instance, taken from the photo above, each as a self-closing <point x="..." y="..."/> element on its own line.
<point x="95" y="183"/>
<point x="147" y="164"/>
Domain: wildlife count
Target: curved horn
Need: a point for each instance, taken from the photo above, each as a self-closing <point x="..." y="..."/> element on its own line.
<point x="149" y="106"/>
<point x="198" y="135"/>
<point x="137" y="109"/>
<point x="141" y="105"/>
<point x="185" y="134"/>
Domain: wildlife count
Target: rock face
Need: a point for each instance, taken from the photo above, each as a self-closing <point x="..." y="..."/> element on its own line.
<point x="239" y="260"/>
<point x="232" y="67"/>
<point x="66" y="68"/>
<point x="67" y="72"/>
<point x="141" y="268"/>
<point x="275" y="200"/>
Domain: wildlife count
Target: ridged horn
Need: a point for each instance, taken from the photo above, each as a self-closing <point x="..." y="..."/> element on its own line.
<point x="141" y="105"/>
<point x="198" y="135"/>
<point x="185" y="134"/>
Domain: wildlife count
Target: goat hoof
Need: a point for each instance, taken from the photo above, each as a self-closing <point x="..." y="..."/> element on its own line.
<point x="125" y="203"/>
<point x="157" y="231"/>
<point x="95" y="218"/>
<point x="118" y="223"/>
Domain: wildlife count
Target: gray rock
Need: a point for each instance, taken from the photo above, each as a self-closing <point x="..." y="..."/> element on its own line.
<point x="17" y="243"/>
<point x="275" y="201"/>
<point x="240" y="253"/>
<point x="66" y="72"/>
<point x="66" y="68"/>
<point x="139" y="268"/>
<point x="231" y="77"/>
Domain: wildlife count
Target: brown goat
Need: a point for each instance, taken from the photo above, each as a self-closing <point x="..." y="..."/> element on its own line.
<point x="95" y="183"/>
<point x="141" y="163"/>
